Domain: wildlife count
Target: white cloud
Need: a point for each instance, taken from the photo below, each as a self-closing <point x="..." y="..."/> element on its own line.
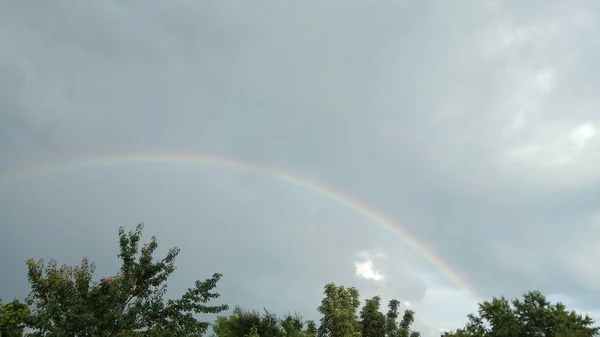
<point x="365" y="267"/>
<point x="555" y="146"/>
<point x="582" y="134"/>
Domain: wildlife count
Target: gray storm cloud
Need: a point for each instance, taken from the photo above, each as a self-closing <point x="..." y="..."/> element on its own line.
<point x="473" y="124"/>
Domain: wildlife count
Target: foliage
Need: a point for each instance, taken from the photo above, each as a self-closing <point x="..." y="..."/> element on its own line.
<point x="373" y="322"/>
<point x="65" y="300"/>
<point x="241" y="322"/>
<point x="376" y="324"/>
<point x="253" y="332"/>
<point x="12" y="318"/>
<point x="339" y="318"/>
<point x="532" y="316"/>
<point x="311" y="329"/>
<point x="391" y="317"/>
<point x="404" y="328"/>
<point x="338" y="309"/>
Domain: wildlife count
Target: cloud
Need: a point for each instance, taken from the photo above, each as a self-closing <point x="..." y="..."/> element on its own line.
<point x="561" y="151"/>
<point x="365" y="267"/>
<point x="472" y="124"/>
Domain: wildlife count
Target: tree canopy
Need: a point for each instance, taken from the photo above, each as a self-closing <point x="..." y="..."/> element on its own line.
<point x="67" y="301"/>
<point x="12" y="318"/>
<point x="533" y="315"/>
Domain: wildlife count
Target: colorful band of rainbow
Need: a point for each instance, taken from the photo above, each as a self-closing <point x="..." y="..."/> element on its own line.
<point x="353" y="204"/>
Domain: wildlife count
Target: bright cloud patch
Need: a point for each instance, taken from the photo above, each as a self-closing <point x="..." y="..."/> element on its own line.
<point x="555" y="149"/>
<point x="582" y="134"/>
<point x="366" y="270"/>
<point x="365" y="267"/>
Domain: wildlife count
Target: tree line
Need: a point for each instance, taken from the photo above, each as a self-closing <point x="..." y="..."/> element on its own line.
<point x="65" y="301"/>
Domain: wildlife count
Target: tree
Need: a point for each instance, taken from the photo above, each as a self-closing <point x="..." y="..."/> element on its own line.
<point x="532" y="316"/>
<point x="391" y="317"/>
<point x="12" y="318"/>
<point x="65" y="301"/>
<point x="253" y="332"/>
<point x="372" y="321"/>
<point x="404" y="327"/>
<point x="311" y="329"/>
<point x="241" y="322"/>
<point x="338" y="309"/>
<point x="294" y="326"/>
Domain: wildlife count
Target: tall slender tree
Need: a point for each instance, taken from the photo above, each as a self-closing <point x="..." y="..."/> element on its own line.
<point x="372" y="321"/>
<point x="391" y="318"/>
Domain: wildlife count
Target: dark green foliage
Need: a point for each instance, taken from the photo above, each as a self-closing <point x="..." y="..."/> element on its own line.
<point x="338" y="310"/>
<point x="311" y="328"/>
<point x="66" y="301"/>
<point x="372" y="321"/>
<point x="391" y="317"/>
<point x="532" y="316"/>
<point x="251" y="322"/>
<point x="13" y="316"/>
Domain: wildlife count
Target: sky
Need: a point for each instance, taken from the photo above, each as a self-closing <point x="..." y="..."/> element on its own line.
<point x="472" y="125"/>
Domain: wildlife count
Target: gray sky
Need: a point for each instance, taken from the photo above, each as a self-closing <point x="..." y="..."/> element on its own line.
<point x="471" y="123"/>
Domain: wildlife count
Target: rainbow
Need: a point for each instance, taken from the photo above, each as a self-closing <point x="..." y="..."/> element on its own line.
<point x="355" y="205"/>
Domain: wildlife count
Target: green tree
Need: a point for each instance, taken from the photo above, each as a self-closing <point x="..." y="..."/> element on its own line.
<point x="311" y="329"/>
<point x="372" y="321"/>
<point x="391" y="317"/>
<point x="253" y="332"/>
<point x="404" y="327"/>
<point x="241" y="322"/>
<point x="66" y="302"/>
<point x="12" y="318"/>
<point x="221" y="327"/>
<point x="532" y="316"/>
<point x="338" y="309"/>
<point x="293" y="326"/>
<point x="387" y="325"/>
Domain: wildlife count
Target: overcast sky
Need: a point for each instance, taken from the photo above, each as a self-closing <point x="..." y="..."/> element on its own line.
<point x="473" y="124"/>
